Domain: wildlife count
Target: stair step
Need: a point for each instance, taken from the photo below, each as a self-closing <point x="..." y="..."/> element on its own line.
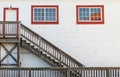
<point x="23" y="40"/>
<point x="39" y="52"/>
<point x="52" y="60"/>
<point x="36" y="49"/>
<point x="28" y="44"/>
<point x="31" y="46"/>
<point x="48" y="57"/>
<point x="44" y="55"/>
<point x="58" y="64"/>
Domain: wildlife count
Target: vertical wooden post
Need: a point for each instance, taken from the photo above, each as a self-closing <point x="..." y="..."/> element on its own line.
<point x="18" y="72"/>
<point x="0" y="54"/>
<point x="39" y="45"/>
<point x="3" y="29"/>
<point x="18" y="45"/>
<point x="107" y="72"/>
<point x="68" y="72"/>
<point x="17" y="33"/>
<point x="60" y="59"/>
<point x="29" y="72"/>
<point x="18" y="57"/>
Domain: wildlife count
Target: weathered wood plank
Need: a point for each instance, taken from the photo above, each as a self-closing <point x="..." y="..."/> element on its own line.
<point x="7" y="40"/>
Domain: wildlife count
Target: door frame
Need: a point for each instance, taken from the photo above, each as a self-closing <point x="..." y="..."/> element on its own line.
<point x="17" y="13"/>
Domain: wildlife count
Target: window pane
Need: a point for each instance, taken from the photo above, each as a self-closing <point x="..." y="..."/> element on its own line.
<point x="35" y="18"/>
<point x="35" y="10"/>
<point x="50" y="14"/>
<point x="38" y="14"/>
<point x="45" y="14"/>
<point x="99" y="10"/>
<point x="83" y="13"/>
<point x="93" y="14"/>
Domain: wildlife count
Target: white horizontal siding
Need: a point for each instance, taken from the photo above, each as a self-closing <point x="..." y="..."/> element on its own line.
<point x="28" y="59"/>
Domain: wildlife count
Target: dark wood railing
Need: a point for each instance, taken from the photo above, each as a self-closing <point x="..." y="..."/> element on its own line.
<point x="48" y="48"/>
<point x="9" y="29"/>
<point x="61" y="72"/>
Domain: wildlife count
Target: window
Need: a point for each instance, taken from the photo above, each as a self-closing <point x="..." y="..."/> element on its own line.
<point x="90" y="14"/>
<point x="44" y="14"/>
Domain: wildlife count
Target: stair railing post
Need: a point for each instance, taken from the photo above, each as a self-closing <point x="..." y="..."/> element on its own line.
<point x="60" y="58"/>
<point x="39" y="45"/>
<point x="19" y="29"/>
<point x="3" y="29"/>
<point x="19" y="43"/>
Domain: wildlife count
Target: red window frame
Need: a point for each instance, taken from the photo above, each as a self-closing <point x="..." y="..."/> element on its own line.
<point x="44" y="6"/>
<point x="90" y="22"/>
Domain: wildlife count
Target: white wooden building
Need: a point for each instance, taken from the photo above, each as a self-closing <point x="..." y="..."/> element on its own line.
<point x="72" y="33"/>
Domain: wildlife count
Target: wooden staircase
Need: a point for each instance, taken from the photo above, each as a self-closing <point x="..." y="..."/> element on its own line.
<point x="40" y="54"/>
<point x="46" y="50"/>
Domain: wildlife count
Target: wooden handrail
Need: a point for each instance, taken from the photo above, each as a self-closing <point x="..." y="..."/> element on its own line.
<point x="49" y="48"/>
<point x="9" y="21"/>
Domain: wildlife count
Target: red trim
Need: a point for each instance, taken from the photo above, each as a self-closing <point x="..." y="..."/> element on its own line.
<point x="17" y="18"/>
<point x="32" y="14"/>
<point x="89" y="6"/>
<point x="44" y="6"/>
<point x="17" y="11"/>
